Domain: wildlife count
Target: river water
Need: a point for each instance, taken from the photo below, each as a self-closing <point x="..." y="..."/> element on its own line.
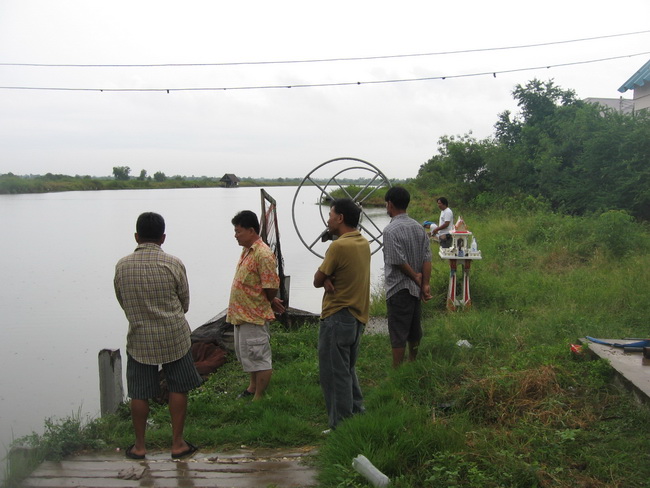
<point x="58" y="307"/>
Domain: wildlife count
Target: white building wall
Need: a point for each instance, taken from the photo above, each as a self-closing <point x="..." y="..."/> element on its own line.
<point x="621" y="105"/>
<point x="642" y="97"/>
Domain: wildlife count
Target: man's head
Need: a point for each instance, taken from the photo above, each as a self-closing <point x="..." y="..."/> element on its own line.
<point x="247" y="228"/>
<point x="150" y="227"/>
<point x="397" y="200"/>
<point x="442" y="203"/>
<point x="344" y="216"/>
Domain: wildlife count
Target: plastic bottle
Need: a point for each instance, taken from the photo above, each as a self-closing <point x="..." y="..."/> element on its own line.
<point x="364" y="467"/>
<point x="474" y="247"/>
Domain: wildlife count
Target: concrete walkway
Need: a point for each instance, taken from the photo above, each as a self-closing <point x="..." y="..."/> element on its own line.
<point x="240" y="469"/>
<point x="633" y="371"/>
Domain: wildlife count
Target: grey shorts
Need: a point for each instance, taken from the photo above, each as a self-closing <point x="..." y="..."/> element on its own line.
<point x="253" y="347"/>
<point x="143" y="380"/>
<point x="404" y="318"/>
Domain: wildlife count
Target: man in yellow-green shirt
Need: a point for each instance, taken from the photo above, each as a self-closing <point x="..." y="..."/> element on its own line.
<point x="345" y="276"/>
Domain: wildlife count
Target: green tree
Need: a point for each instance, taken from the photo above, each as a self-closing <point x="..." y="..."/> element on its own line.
<point x="143" y="175"/>
<point x="579" y="157"/>
<point x="159" y="176"/>
<point x="121" y="173"/>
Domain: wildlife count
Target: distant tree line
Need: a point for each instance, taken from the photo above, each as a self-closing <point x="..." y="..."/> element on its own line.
<point x="11" y="183"/>
<point x="574" y="157"/>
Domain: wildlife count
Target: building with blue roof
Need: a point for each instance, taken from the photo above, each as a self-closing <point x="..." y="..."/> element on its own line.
<point x="640" y="83"/>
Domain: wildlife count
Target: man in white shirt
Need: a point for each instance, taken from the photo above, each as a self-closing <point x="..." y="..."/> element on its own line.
<point x="445" y="223"/>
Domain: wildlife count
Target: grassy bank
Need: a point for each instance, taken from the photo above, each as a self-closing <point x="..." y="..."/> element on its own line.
<point x="514" y="410"/>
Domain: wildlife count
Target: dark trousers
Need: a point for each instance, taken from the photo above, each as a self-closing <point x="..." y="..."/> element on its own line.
<point x="338" y="347"/>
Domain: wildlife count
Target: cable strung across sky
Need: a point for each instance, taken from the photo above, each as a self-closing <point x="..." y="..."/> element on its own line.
<point x="328" y="60"/>
<point x="322" y="85"/>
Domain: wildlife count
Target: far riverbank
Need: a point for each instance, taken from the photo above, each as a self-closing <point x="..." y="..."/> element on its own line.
<point x="11" y="184"/>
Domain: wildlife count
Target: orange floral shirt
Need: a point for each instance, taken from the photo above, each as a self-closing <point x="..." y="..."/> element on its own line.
<point x="256" y="270"/>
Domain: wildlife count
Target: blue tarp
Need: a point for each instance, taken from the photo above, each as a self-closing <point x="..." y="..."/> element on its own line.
<point x="643" y="343"/>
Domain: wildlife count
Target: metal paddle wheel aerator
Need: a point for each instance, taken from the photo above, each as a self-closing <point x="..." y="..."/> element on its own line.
<point x="333" y="178"/>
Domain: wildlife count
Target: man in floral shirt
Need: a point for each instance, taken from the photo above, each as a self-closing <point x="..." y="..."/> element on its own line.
<point x="253" y="302"/>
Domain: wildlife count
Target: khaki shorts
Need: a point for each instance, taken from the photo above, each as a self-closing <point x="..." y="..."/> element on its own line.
<point x="253" y="347"/>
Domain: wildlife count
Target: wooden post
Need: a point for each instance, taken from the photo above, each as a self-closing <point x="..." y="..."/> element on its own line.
<point x="286" y="285"/>
<point x="111" y="392"/>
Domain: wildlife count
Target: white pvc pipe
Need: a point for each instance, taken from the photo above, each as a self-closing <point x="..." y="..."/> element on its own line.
<point x="364" y="467"/>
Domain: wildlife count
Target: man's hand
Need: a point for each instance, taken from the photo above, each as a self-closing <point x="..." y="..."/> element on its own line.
<point x="425" y="293"/>
<point x="329" y="285"/>
<point x="278" y="306"/>
<point x="418" y="279"/>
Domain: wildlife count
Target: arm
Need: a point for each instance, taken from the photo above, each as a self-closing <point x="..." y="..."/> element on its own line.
<point x="118" y="293"/>
<point x="408" y="271"/>
<point x="276" y="302"/>
<point x="270" y="293"/>
<point x="321" y="280"/>
<point x="422" y="279"/>
<point x="425" y="288"/>
<point x="269" y="279"/>
<point x="183" y="289"/>
<point x="443" y="226"/>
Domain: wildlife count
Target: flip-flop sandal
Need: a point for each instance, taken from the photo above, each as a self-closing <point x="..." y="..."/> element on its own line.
<point x="245" y="394"/>
<point x="131" y="455"/>
<point x="191" y="449"/>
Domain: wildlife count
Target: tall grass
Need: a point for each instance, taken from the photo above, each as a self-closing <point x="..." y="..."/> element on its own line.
<point x="517" y="409"/>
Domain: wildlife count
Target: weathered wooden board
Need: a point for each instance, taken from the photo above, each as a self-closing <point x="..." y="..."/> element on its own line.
<point x="251" y="469"/>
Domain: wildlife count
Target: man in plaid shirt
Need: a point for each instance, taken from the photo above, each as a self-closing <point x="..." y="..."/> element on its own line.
<point x="151" y="286"/>
<point x="407" y="269"/>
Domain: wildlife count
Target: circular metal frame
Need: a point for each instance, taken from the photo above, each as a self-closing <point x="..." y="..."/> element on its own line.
<point x="366" y="224"/>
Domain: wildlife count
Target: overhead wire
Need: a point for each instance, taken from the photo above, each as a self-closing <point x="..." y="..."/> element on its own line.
<point x="328" y="60"/>
<point x="492" y="73"/>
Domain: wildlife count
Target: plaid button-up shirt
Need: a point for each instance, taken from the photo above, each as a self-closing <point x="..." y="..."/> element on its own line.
<point x="151" y="286"/>
<point x="405" y="242"/>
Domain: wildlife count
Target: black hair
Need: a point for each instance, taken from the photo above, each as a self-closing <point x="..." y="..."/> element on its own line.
<point x="444" y="201"/>
<point x="350" y="211"/>
<point x="150" y="226"/>
<point x="399" y="197"/>
<point x="248" y="220"/>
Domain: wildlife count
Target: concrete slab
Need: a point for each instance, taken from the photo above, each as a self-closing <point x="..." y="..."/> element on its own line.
<point x="633" y="372"/>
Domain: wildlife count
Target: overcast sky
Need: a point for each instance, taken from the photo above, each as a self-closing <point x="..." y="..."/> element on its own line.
<point x="272" y="132"/>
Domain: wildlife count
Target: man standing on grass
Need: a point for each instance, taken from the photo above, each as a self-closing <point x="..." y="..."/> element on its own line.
<point x="253" y="302"/>
<point x="345" y="277"/>
<point x="407" y="269"/>
<point x="151" y="286"/>
<point x="445" y="223"/>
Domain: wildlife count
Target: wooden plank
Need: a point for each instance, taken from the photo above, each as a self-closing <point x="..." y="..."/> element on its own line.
<point x="243" y="469"/>
<point x="81" y="482"/>
<point x="80" y="470"/>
